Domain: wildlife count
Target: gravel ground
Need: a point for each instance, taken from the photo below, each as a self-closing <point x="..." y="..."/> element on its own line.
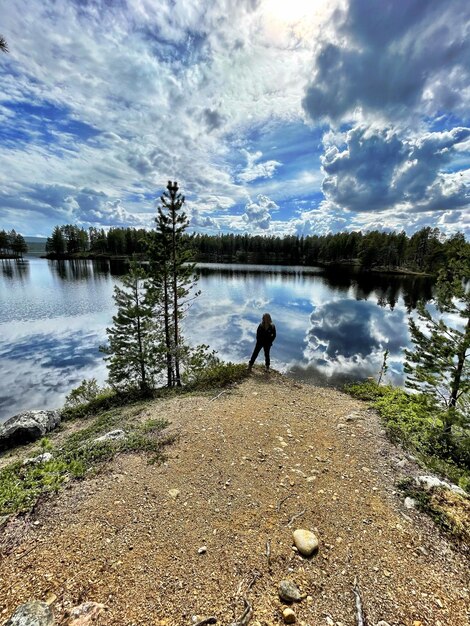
<point x="249" y="466"/>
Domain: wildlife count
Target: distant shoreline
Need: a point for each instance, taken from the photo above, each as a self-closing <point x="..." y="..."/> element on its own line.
<point x="339" y="264"/>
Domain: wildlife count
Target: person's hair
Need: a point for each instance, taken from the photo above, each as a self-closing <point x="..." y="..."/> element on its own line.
<point x="266" y="321"/>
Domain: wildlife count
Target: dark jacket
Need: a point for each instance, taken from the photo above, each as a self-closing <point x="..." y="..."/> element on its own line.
<point x="266" y="336"/>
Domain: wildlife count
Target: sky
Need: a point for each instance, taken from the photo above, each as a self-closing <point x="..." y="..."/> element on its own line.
<point x="275" y="117"/>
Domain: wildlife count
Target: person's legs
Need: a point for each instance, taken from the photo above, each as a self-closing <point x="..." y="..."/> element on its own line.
<point x="254" y="356"/>
<point x="267" y="360"/>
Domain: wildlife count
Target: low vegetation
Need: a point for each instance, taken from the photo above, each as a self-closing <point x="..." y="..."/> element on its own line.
<point x="101" y="410"/>
<point x="416" y="422"/>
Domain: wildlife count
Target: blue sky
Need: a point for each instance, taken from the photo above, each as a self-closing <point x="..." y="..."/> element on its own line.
<point x="275" y="116"/>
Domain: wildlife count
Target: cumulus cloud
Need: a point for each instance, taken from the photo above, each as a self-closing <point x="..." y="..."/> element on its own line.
<point x="199" y="221"/>
<point x="374" y="169"/>
<point x="254" y="170"/>
<point x="257" y="215"/>
<point x="391" y="59"/>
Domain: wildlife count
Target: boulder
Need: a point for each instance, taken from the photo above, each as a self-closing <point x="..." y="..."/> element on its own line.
<point x="305" y="541"/>
<point x="429" y="482"/>
<point x="26" y="427"/>
<point x="32" y="614"/>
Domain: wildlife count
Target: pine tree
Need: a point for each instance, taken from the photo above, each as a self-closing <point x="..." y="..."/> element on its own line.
<point x="56" y="243"/>
<point x="172" y="276"/>
<point x="439" y="365"/>
<point x="135" y="351"/>
<point x="18" y="244"/>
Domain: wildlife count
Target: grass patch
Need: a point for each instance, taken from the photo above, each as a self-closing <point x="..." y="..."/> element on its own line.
<point x="219" y="375"/>
<point x="414" y="421"/>
<point x="22" y="485"/>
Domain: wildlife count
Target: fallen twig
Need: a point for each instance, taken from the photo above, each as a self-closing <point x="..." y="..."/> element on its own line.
<point x="281" y="502"/>
<point x="268" y="552"/>
<point x="294" y="517"/>
<point x="359" y="613"/>
<point x="256" y="575"/>
<point x="246" y="615"/>
<point x="207" y="620"/>
<point x="218" y="395"/>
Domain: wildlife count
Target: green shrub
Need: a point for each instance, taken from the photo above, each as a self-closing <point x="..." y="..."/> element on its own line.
<point x="417" y="422"/>
<point x="219" y="375"/>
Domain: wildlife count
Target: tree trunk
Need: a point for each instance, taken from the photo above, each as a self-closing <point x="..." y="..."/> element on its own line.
<point x="166" y="316"/>
<point x="143" y="381"/>
<point x="175" y="300"/>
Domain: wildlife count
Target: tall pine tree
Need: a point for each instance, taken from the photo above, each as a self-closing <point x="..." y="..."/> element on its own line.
<point x="172" y="275"/>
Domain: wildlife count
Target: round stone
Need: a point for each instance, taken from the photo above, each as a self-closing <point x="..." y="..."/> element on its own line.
<point x="305" y="541"/>
<point x="288" y="616"/>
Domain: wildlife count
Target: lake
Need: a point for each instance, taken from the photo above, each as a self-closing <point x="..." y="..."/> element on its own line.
<point x="333" y="325"/>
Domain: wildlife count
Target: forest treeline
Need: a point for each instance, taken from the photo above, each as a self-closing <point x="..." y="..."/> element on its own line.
<point x="12" y="244"/>
<point x="425" y="251"/>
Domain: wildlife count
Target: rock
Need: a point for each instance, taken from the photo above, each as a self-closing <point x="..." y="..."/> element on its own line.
<point x="202" y="550"/>
<point x="410" y="503"/>
<point x="289" y="592"/>
<point x="429" y="482"/>
<point x="305" y="541"/>
<point x="382" y="623"/>
<point x="174" y="493"/>
<point x="32" y="614"/>
<point x="113" y="435"/>
<point x="288" y="616"/>
<point x="41" y="458"/>
<point x="85" y="613"/>
<point x="26" y="427"/>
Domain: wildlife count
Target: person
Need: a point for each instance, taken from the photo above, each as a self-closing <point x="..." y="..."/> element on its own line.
<point x="265" y="335"/>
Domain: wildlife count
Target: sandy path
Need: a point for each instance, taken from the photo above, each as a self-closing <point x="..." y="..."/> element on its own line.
<point x="123" y="540"/>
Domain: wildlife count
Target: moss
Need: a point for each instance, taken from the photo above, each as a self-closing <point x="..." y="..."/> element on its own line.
<point x="418" y="424"/>
<point x="448" y="509"/>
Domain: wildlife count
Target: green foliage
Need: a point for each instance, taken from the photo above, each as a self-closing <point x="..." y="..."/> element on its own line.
<point x="86" y="391"/>
<point x="172" y="280"/>
<point x="219" y="375"/>
<point x="21" y="485"/>
<point x="439" y="365"/>
<point x="417" y="422"/>
<point x="135" y="350"/>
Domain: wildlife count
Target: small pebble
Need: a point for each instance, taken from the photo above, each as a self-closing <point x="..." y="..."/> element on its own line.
<point x="202" y="550"/>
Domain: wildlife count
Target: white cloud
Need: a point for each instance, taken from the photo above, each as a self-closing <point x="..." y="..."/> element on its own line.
<point x="257" y="215"/>
<point x="254" y="170"/>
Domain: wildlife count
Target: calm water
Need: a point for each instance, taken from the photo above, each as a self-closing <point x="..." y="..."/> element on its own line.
<point x="332" y="327"/>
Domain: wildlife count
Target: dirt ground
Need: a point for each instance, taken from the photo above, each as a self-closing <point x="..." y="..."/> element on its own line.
<point x="249" y="466"/>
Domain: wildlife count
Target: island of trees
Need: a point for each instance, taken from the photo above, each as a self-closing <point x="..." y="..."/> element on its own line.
<point x="12" y="245"/>
<point x="425" y="252"/>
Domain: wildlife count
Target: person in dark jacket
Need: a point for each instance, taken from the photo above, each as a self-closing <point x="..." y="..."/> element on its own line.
<point x="265" y="335"/>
